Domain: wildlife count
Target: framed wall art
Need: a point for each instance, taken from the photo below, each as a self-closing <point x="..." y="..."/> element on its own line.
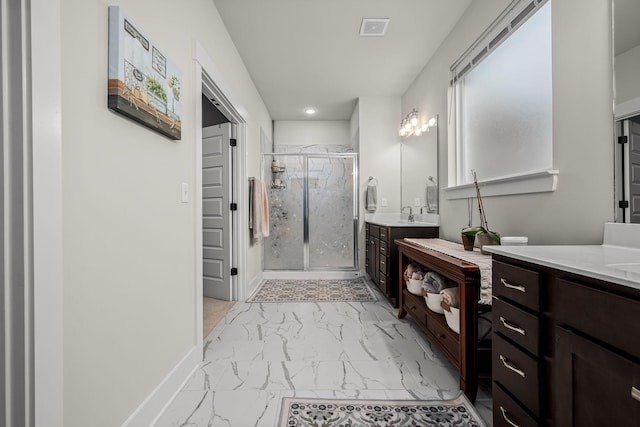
<point x="144" y="85"/>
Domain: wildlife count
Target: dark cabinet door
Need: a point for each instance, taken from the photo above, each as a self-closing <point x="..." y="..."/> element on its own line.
<point x="373" y="258"/>
<point x="595" y="386"/>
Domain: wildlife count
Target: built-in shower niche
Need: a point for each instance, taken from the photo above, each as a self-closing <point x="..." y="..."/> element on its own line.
<point x="312" y="211"/>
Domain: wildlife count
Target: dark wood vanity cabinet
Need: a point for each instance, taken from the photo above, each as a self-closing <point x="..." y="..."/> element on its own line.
<point x="381" y="260"/>
<point x="566" y="348"/>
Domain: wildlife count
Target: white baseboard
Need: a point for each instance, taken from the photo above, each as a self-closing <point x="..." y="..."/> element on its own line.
<point x="253" y="285"/>
<point x="148" y="413"/>
<point x="310" y="275"/>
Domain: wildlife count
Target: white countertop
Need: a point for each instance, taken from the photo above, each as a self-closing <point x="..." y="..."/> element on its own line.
<point x="616" y="264"/>
<point x="400" y="220"/>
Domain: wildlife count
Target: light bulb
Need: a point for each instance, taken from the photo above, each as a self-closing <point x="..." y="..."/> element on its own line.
<point x="418" y="132"/>
<point x="402" y="132"/>
<point x="414" y="120"/>
<point x="425" y="127"/>
<point x="432" y="122"/>
<point x="407" y="127"/>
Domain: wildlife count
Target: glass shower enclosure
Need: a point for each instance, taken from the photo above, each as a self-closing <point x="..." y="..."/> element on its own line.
<point x="313" y="211"/>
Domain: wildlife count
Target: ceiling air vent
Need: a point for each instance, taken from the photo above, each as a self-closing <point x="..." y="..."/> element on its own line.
<point x="374" y="27"/>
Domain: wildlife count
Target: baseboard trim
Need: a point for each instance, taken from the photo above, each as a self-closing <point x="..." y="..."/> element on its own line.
<point x="253" y="285"/>
<point x="311" y="275"/>
<point x="148" y="413"/>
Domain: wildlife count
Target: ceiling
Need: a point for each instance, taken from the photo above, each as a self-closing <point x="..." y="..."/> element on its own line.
<point x="308" y="53"/>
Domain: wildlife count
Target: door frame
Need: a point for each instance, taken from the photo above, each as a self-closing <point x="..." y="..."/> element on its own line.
<point x="209" y="80"/>
<point x="623" y="112"/>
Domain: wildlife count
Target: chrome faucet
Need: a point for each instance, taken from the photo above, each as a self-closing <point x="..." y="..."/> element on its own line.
<point x="410" y="218"/>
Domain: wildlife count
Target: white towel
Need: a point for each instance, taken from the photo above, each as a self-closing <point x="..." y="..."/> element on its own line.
<point x="371" y="197"/>
<point x="451" y="296"/>
<point x="260" y="210"/>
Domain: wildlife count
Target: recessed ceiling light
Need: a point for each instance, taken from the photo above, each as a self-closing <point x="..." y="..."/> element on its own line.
<point x="310" y="111"/>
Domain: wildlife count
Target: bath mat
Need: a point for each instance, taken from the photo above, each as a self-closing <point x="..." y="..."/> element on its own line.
<point x="298" y="412"/>
<point x="284" y="290"/>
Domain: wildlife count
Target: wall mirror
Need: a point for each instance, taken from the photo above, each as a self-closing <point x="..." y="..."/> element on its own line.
<point x="626" y="34"/>
<point x="419" y="171"/>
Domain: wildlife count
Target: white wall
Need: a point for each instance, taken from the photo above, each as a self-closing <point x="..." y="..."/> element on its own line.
<point x="627" y="68"/>
<point x="311" y="132"/>
<point x="582" y="127"/>
<point x="128" y="243"/>
<point x="379" y="154"/>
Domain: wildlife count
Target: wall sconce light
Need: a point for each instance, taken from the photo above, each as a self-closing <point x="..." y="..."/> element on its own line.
<point x="410" y="125"/>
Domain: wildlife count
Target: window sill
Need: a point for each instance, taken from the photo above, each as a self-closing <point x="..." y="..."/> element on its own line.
<point x="530" y="182"/>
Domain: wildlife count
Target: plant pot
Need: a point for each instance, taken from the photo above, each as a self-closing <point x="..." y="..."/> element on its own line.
<point x="468" y="242"/>
<point x="484" y="239"/>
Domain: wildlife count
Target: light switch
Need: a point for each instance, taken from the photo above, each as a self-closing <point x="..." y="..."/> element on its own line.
<point x="185" y="192"/>
<point x="383" y="201"/>
<point x="416" y="201"/>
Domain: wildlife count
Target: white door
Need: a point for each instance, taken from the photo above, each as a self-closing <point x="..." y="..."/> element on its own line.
<point x="216" y="214"/>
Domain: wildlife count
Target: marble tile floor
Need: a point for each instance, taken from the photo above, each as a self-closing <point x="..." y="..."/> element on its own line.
<point x="261" y="352"/>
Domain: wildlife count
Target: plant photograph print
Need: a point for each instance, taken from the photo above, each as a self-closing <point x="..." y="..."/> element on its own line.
<point x="144" y="85"/>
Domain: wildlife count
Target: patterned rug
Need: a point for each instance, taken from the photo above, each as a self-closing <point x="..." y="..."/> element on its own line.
<point x="283" y="290"/>
<point x="298" y="412"/>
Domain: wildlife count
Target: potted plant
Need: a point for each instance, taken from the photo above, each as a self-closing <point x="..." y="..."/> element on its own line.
<point x="469" y="237"/>
<point x="482" y="233"/>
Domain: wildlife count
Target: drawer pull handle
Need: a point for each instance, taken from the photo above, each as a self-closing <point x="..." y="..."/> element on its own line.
<point x="510" y="286"/>
<point x="506" y="418"/>
<point x="635" y="394"/>
<point x="512" y="326"/>
<point x="508" y="365"/>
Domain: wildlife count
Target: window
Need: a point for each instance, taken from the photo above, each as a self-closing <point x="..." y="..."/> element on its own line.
<point x="502" y="105"/>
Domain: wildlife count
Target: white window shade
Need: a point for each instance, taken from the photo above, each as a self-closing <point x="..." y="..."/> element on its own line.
<point x="507" y="105"/>
<point x="503" y="92"/>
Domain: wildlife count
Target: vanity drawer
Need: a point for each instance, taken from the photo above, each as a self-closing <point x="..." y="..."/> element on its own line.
<point x="516" y="325"/>
<point x="516" y="284"/>
<point x="578" y="306"/>
<point x="517" y="372"/>
<point x="415" y="306"/>
<point x="384" y="263"/>
<point x="374" y="231"/>
<point x="383" y="284"/>
<point x="384" y="250"/>
<point x="445" y="336"/>
<point x="507" y="412"/>
<point x="383" y="233"/>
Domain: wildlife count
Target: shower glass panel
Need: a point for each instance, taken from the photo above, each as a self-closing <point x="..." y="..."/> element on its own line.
<point x="312" y="210"/>
<point x="330" y="182"/>
<point x="284" y="177"/>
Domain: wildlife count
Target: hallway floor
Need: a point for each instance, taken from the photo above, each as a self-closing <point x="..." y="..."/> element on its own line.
<point x="261" y="352"/>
